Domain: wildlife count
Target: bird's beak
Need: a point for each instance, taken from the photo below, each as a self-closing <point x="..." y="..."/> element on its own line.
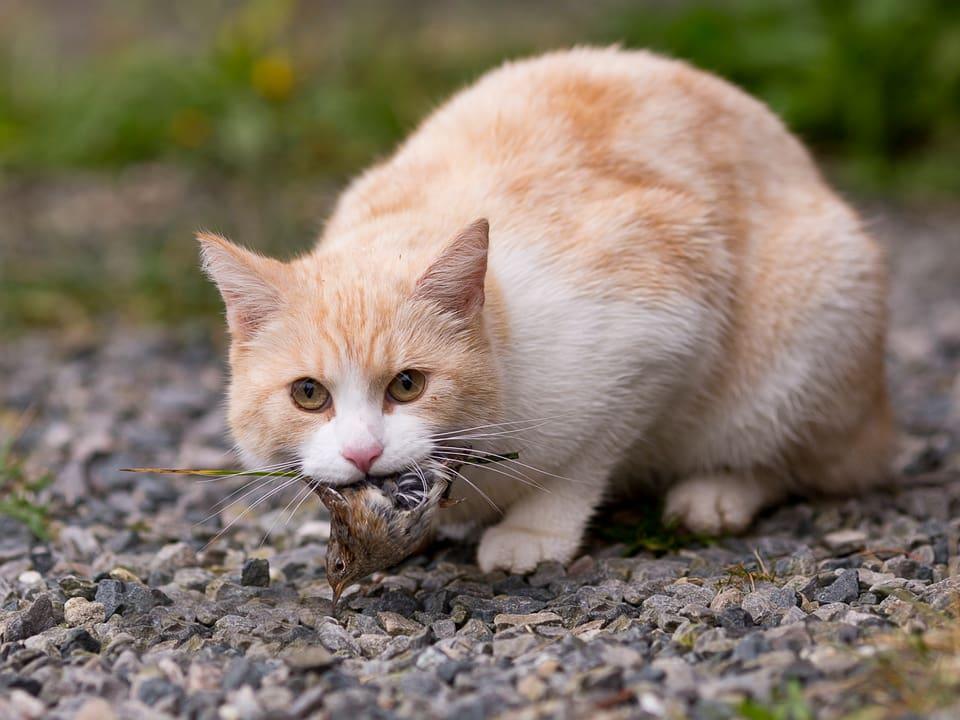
<point x="337" y="591"/>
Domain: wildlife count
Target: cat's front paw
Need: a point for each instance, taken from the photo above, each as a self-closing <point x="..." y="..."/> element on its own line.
<point x="520" y="550"/>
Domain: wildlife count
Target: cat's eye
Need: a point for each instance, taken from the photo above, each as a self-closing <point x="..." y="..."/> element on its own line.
<point x="406" y="386"/>
<point x="310" y="395"/>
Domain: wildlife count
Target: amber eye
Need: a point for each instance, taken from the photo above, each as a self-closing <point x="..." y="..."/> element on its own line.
<point x="407" y="385"/>
<point x="308" y="394"/>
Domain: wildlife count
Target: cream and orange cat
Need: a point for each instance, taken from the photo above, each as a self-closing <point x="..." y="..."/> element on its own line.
<point x="620" y="266"/>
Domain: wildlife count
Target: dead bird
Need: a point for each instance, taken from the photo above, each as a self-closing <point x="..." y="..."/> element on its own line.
<point x="377" y="523"/>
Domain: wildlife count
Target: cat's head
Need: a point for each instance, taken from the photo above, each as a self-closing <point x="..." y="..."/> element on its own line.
<point x="348" y="361"/>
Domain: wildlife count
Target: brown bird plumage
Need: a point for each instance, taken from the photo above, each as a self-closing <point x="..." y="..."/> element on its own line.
<point x="375" y="525"/>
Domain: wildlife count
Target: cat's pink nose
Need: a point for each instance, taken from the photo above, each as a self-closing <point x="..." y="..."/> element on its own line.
<point x="362" y="456"/>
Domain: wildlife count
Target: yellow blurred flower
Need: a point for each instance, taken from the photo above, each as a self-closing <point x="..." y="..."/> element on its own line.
<point x="190" y="128"/>
<point x="272" y="77"/>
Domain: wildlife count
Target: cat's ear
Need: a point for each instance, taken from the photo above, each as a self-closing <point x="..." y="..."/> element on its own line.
<point x="454" y="281"/>
<point x="249" y="283"/>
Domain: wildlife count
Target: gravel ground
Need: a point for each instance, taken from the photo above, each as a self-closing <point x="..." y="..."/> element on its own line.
<point x="127" y="611"/>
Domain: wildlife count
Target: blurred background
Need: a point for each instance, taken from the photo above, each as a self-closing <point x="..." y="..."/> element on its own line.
<point x="126" y="125"/>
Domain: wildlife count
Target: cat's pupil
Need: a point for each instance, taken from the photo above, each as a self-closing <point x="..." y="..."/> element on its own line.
<point x="308" y="389"/>
<point x="406" y="381"/>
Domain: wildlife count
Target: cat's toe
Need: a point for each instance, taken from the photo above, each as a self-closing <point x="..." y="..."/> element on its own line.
<point x="518" y="550"/>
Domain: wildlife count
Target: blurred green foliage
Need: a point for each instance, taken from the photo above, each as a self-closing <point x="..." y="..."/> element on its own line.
<point x="19" y="490"/>
<point x="262" y="108"/>
<point x="872" y="84"/>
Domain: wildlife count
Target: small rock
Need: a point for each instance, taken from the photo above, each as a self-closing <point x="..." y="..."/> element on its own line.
<point x="832" y="661"/>
<point x="792" y="615"/>
<point x="335" y="639"/>
<point x="80" y="639"/>
<point x="726" y="598"/>
<point x="888" y="587"/>
<point x="530" y="619"/>
<point x="845" y="541"/>
<point x="40" y="616"/>
<point x="845" y="589"/>
<point x="925" y="555"/>
<point x="871" y="577"/>
<point x="308" y="658"/>
<point x="513" y="647"/>
<point x="95" y="709"/>
<point x="80" y="611"/>
<point x="750" y="647"/>
<point x="73" y="586"/>
<point x="531" y="688"/>
<point x="905" y="567"/>
<point x="801" y="562"/>
<point x="117" y="596"/>
<point x="396" y="624"/>
<point x="79" y="543"/>
<point x="255" y="573"/>
<point x="124" y="575"/>
<point x="475" y="629"/>
<point x="373" y="645"/>
<point x="193" y="578"/>
<point x="313" y="531"/>
<point x="735" y="620"/>
<point x="173" y="557"/>
<point x="159" y="692"/>
<point x="832" y="611"/>
<point x="444" y="628"/>
<point x="30" y="578"/>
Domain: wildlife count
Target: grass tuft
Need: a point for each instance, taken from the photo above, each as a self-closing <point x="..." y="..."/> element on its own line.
<point x="789" y="705"/>
<point x="643" y="529"/>
<point x="19" y="491"/>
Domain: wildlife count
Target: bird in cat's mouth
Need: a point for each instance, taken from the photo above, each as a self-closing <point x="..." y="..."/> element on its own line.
<point x="382" y="519"/>
<point x="378" y="521"/>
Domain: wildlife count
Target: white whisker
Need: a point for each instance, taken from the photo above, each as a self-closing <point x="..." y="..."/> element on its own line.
<point x="260" y="481"/>
<point x="482" y="493"/>
<point x="502" y="459"/>
<point x="263" y="498"/>
<point x="504" y="433"/>
<point x="515" y="475"/>
<point x="423" y="480"/>
<point x="303" y="492"/>
<point x="501" y="425"/>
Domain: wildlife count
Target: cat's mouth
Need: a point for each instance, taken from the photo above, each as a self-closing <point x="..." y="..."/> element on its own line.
<point x="427" y="472"/>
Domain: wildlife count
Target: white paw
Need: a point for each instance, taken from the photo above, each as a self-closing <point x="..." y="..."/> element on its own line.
<point x="518" y="550"/>
<point x="714" y="504"/>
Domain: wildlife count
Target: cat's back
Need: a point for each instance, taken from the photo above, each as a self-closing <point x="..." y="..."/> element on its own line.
<point x="571" y="127"/>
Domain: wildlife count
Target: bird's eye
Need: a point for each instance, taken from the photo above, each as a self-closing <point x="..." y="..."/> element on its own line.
<point x="309" y="395"/>
<point x="407" y="385"/>
<point x="340" y="566"/>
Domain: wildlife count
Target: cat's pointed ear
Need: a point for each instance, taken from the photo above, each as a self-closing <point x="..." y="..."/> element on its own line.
<point x="249" y="283"/>
<point x="454" y="281"/>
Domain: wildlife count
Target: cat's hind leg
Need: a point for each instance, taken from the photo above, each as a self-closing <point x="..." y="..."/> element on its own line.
<point x="833" y="461"/>
<point x="722" y="502"/>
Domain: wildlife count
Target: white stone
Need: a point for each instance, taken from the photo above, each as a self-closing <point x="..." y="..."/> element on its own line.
<point x="80" y="611"/>
<point x="30" y="577"/>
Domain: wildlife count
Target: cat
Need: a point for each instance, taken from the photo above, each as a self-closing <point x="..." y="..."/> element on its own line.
<point x="620" y="266"/>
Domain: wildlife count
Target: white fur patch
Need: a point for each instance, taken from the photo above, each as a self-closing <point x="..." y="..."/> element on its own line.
<point x="359" y="420"/>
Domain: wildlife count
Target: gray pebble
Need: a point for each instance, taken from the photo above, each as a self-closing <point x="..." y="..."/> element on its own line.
<point x="256" y="573"/>
<point x="846" y="588"/>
